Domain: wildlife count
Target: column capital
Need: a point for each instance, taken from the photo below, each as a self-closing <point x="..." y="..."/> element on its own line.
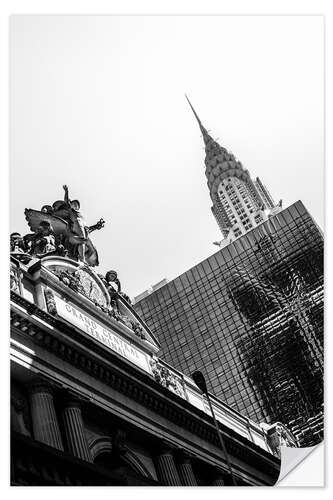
<point x="40" y="385"/>
<point x="71" y="400"/>
<point x="166" y="448"/>
<point x="184" y="456"/>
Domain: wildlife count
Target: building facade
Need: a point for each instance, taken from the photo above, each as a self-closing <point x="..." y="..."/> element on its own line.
<point x="251" y="318"/>
<point x="92" y="403"/>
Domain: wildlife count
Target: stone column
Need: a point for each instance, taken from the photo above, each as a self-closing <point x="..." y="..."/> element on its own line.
<point x="166" y="467"/>
<point x="218" y="481"/>
<point x="74" y="429"/>
<point x="44" y="418"/>
<point x="186" y="471"/>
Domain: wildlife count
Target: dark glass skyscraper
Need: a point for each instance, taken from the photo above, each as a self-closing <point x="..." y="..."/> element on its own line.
<point x="251" y="318"/>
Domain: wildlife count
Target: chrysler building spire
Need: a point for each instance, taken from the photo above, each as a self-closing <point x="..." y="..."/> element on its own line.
<point x="204" y="132"/>
<point x="239" y="203"/>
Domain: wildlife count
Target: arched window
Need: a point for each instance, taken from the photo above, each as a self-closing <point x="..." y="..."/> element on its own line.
<point x="126" y="462"/>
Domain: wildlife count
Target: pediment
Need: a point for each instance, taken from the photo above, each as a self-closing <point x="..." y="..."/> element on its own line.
<point x="79" y="278"/>
<point x="85" y="282"/>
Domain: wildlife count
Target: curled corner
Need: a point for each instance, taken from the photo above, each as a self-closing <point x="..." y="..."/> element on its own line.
<point x="292" y="457"/>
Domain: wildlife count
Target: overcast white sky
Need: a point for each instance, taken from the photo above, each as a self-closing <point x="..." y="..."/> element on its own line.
<point x="98" y="103"/>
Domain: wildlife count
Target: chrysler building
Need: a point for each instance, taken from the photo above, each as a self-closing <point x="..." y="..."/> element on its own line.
<point x="239" y="203"/>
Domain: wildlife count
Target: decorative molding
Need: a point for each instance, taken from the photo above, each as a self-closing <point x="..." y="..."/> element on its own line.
<point x="100" y="444"/>
<point x="134" y="461"/>
<point x="104" y="444"/>
<point x="166" y="378"/>
<point x="15" y="279"/>
<point x="82" y="280"/>
<point x="50" y="302"/>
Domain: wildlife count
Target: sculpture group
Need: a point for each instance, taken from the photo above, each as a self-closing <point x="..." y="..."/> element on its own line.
<point x="58" y="229"/>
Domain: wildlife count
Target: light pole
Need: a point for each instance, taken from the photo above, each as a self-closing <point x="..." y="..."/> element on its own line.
<point x="200" y="381"/>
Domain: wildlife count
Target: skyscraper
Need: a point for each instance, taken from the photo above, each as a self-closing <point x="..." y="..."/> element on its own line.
<point x="239" y="203"/>
<point x="251" y="315"/>
<point x="251" y="318"/>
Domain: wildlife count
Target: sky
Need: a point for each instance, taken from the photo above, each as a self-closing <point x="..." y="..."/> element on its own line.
<point x="97" y="103"/>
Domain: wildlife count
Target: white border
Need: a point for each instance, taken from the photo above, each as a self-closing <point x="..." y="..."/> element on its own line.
<point x="259" y="7"/>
